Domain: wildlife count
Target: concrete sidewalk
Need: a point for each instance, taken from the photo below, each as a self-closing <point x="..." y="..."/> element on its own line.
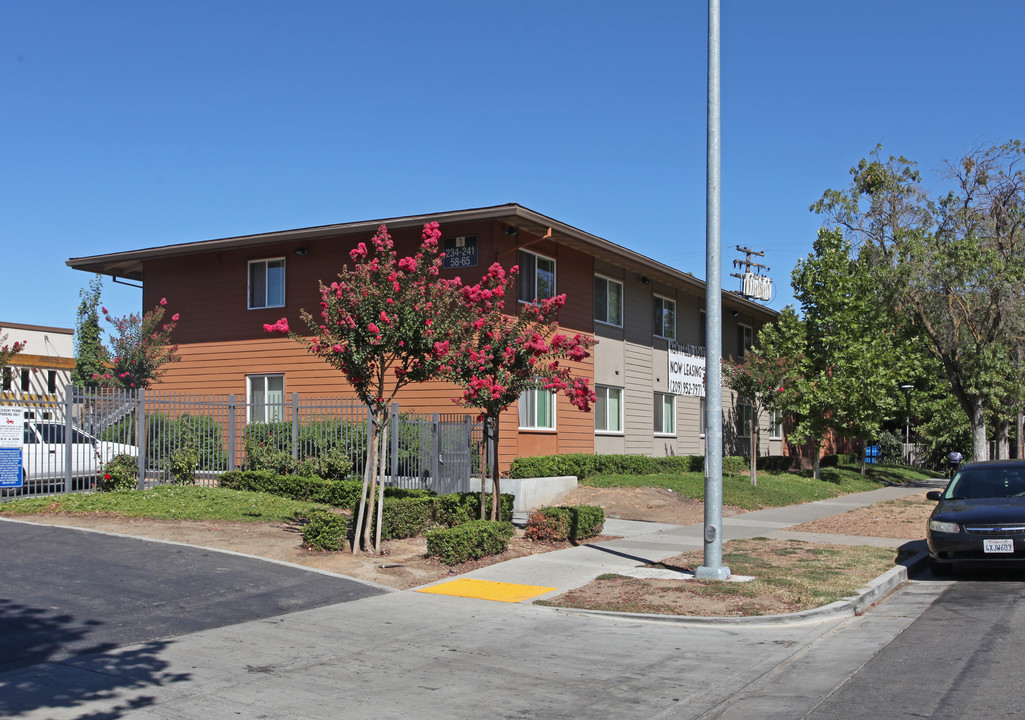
<point x="644" y="543"/>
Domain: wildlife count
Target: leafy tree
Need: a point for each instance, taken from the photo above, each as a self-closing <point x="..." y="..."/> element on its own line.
<point x="90" y="356"/>
<point x="762" y="378"/>
<point x="139" y="348"/>
<point x="855" y="355"/>
<point x="952" y="268"/>
<point x="501" y="355"/>
<point x="384" y="323"/>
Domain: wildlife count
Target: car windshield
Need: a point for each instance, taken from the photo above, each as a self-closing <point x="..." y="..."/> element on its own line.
<point x="974" y="483"/>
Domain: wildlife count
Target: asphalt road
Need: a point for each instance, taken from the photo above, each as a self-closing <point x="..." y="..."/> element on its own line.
<point x="960" y="659"/>
<point x="66" y="592"/>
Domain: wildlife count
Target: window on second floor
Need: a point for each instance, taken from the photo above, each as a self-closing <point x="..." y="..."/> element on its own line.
<point x="537" y="277"/>
<point x="537" y="409"/>
<point x="267" y="283"/>
<point x="608" y="301"/>
<point x="745" y="339"/>
<point x="665" y="318"/>
<point x="608" y="409"/>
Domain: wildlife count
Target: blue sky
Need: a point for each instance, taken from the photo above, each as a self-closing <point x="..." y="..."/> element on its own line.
<point x="131" y="124"/>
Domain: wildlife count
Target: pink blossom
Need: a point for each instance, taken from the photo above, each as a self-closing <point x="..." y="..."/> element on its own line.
<point x="373" y="328"/>
<point x="163" y="301"/>
<point x="175" y="317"/>
<point x="280" y="326"/>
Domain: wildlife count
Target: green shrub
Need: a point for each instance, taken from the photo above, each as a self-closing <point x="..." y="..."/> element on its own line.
<point x="469" y="541"/>
<point x="775" y="463"/>
<point x="891" y="448"/>
<point x="325" y="531"/>
<point x="584" y="466"/>
<point x="181" y="465"/>
<point x="458" y="508"/>
<point x="736" y="464"/>
<point x="337" y="493"/>
<point x="121" y="473"/>
<point x="573" y="523"/>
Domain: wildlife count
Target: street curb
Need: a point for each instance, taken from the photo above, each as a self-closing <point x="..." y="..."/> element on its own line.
<point x="848" y="607"/>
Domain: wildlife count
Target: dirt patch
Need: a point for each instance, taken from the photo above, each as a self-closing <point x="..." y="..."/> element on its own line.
<point x="904" y="518"/>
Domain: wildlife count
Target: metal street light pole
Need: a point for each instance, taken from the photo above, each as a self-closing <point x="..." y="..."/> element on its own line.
<point x="713" y="569"/>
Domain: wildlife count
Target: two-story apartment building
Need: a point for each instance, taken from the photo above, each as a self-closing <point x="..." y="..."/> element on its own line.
<point x="648" y="319"/>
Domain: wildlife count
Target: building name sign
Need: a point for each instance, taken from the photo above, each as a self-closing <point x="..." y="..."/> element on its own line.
<point x="686" y="370"/>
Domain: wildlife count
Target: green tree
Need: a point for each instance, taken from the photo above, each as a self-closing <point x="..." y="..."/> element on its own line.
<point x="952" y="268"/>
<point x="855" y="355"/>
<point x="140" y="348"/>
<point x="90" y="356"/>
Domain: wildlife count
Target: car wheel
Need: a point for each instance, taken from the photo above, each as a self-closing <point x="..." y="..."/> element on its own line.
<point x="942" y="569"/>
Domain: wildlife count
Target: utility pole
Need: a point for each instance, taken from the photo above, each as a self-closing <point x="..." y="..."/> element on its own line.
<point x="758" y="287"/>
<point x="713" y="569"/>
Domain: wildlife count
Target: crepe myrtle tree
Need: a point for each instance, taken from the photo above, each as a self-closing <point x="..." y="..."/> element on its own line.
<point x="503" y="354"/>
<point x="8" y="351"/>
<point x="139" y="348"/>
<point x="381" y="323"/>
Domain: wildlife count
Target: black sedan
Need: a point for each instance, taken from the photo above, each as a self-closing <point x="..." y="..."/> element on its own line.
<point x="980" y="517"/>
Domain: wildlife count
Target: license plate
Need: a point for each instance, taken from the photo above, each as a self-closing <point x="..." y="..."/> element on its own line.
<point x="998" y="546"/>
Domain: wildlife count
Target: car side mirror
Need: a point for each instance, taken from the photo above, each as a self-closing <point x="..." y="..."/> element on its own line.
<point x="936" y="495"/>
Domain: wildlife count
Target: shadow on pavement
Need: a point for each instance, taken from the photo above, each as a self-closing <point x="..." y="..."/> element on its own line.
<point x="38" y="639"/>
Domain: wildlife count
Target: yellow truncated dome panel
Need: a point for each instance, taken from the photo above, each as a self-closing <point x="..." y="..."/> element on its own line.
<point x="487" y="590"/>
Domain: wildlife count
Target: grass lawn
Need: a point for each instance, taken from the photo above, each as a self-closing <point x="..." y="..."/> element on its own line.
<point x="170" y="502"/>
<point x="774" y="489"/>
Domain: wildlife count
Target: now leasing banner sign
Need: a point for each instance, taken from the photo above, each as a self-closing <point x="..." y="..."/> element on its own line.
<point x="12" y="435"/>
<point x="686" y="370"/>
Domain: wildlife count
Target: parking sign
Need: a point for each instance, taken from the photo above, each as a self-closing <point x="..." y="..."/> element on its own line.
<point x="12" y="435"/>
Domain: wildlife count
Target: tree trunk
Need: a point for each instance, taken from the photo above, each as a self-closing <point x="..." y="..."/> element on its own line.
<point x="369" y="475"/>
<point x="977" y="418"/>
<point x="864" y="455"/>
<point x="1003" y="437"/>
<point x="754" y="447"/>
<point x="816" y="457"/>
<point x="484" y="468"/>
<point x="382" y="457"/>
<point x="496" y="491"/>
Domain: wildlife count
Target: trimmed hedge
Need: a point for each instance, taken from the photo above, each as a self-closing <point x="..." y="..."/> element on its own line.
<point x="584" y="466"/>
<point x="469" y="541"/>
<point x="458" y="508"/>
<point x="325" y="531"/>
<point x="337" y="493"/>
<point x="558" y="524"/>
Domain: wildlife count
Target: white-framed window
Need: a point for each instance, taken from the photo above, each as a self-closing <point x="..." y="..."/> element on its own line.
<point x="537" y="277"/>
<point x="775" y="425"/>
<point x="608" y="409"/>
<point x="665" y="317"/>
<point x="665" y="414"/>
<point x="744" y="416"/>
<point x="266" y="283"/>
<point x="608" y="301"/>
<point x="265" y="395"/>
<point x="745" y="339"/>
<point x="537" y="409"/>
